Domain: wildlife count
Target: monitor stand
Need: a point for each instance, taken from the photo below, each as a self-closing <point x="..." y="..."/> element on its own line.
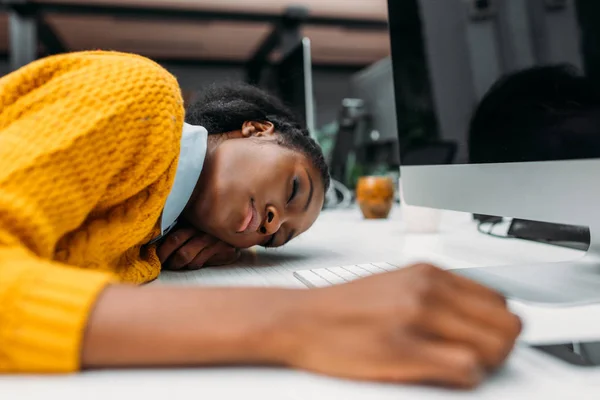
<point x="560" y="284"/>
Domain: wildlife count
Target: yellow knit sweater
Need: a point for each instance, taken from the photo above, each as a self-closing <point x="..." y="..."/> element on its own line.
<point x="89" y="144"/>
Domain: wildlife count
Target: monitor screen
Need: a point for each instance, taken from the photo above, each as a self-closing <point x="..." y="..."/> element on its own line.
<point x="372" y="86"/>
<point x="496" y="81"/>
<point x="291" y="80"/>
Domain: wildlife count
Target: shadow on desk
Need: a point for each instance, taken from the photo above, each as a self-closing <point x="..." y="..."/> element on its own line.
<point x="257" y="258"/>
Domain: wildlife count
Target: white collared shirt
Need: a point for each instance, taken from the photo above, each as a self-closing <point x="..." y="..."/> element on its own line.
<point x="191" y="159"/>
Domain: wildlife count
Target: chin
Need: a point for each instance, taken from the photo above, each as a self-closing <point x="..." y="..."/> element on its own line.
<point x="217" y="229"/>
<point x="232" y="239"/>
<point x="238" y="240"/>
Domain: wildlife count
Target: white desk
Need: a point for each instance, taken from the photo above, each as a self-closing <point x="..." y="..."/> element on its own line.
<point x="341" y="238"/>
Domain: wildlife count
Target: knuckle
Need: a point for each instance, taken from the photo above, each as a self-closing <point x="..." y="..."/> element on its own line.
<point x="173" y="239"/>
<point x="196" y="262"/>
<point x="501" y="298"/>
<point x="195" y="265"/>
<point x="178" y="237"/>
<point x="201" y="242"/>
<point x="468" y="368"/>
<point x="426" y="269"/>
<point x="425" y="287"/>
<point x="515" y="325"/>
<point x="429" y="272"/>
<point x="182" y="257"/>
<point x="472" y="380"/>
<point x="225" y="258"/>
<point x="495" y="298"/>
<point x="415" y="312"/>
<point x="498" y="349"/>
<point x="466" y="360"/>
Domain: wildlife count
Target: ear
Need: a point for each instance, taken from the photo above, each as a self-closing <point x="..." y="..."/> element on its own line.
<point x="258" y="129"/>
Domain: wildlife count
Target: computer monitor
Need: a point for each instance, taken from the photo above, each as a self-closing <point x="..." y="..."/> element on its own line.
<point x="468" y="46"/>
<point x="291" y="80"/>
<point x="379" y="138"/>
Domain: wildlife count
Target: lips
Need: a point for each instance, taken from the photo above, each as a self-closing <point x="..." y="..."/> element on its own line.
<point x="251" y="220"/>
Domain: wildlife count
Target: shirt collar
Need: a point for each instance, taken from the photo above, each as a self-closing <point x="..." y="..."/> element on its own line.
<point x="191" y="159"/>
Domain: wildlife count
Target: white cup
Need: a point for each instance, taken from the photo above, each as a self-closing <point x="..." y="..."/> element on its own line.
<point x="419" y="219"/>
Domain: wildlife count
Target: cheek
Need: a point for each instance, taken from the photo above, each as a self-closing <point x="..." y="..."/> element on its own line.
<point x="272" y="158"/>
<point x="264" y="165"/>
<point x="249" y="168"/>
<point x="232" y="168"/>
<point x="244" y="157"/>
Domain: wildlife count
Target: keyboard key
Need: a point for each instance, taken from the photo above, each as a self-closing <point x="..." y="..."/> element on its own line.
<point x="310" y="279"/>
<point x="344" y="273"/>
<point x="386" y="266"/>
<point x="322" y="277"/>
<point x="329" y="276"/>
<point x="361" y="270"/>
<point x="372" y="268"/>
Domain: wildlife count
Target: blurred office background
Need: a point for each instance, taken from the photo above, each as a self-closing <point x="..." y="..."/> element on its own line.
<point x="207" y="41"/>
<point x="452" y="52"/>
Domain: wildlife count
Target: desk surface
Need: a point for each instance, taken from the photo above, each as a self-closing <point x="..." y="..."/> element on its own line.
<point x="341" y="237"/>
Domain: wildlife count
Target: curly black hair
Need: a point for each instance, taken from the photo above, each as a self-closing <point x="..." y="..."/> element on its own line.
<point x="225" y="107"/>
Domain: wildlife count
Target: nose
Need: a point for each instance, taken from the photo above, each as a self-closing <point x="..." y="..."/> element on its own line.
<point x="272" y="221"/>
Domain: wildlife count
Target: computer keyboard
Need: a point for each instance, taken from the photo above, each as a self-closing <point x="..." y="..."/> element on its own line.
<point x="321" y="277"/>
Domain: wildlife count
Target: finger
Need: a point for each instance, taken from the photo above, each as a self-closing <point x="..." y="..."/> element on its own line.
<point x="491" y="345"/>
<point x="451" y="365"/>
<point x="172" y="242"/>
<point x="186" y="253"/>
<point x="216" y="249"/>
<point x="441" y="363"/>
<point x="227" y="257"/>
<point x="431" y="274"/>
<point x="485" y="313"/>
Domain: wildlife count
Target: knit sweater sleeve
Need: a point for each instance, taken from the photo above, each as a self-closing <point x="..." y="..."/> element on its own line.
<point x="72" y="128"/>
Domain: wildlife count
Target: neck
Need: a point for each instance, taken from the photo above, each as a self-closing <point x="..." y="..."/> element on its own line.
<point x="212" y="144"/>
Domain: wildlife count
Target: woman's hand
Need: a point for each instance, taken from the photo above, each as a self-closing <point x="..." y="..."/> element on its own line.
<point x="416" y="325"/>
<point x="420" y="324"/>
<point x="190" y="249"/>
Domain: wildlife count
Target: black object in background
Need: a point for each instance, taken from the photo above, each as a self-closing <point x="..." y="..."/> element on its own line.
<point x="291" y="82"/>
<point x="492" y="219"/>
<point x="290" y="79"/>
<point x="572" y="236"/>
<point x="566" y="352"/>
<point x="353" y="118"/>
<point x="436" y="152"/>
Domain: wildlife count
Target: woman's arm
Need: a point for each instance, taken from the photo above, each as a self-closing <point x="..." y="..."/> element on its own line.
<point x="166" y="326"/>
<point x="419" y="324"/>
<point x="62" y="152"/>
<point x="78" y="132"/>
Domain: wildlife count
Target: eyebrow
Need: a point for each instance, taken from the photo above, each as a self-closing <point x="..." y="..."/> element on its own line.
<point x="310" y="192"/>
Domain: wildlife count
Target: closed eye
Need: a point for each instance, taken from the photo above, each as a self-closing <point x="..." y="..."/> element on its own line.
<point x="294" y="190"/>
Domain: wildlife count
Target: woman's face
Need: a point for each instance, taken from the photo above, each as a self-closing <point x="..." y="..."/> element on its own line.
<point x="253" y="191"/>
